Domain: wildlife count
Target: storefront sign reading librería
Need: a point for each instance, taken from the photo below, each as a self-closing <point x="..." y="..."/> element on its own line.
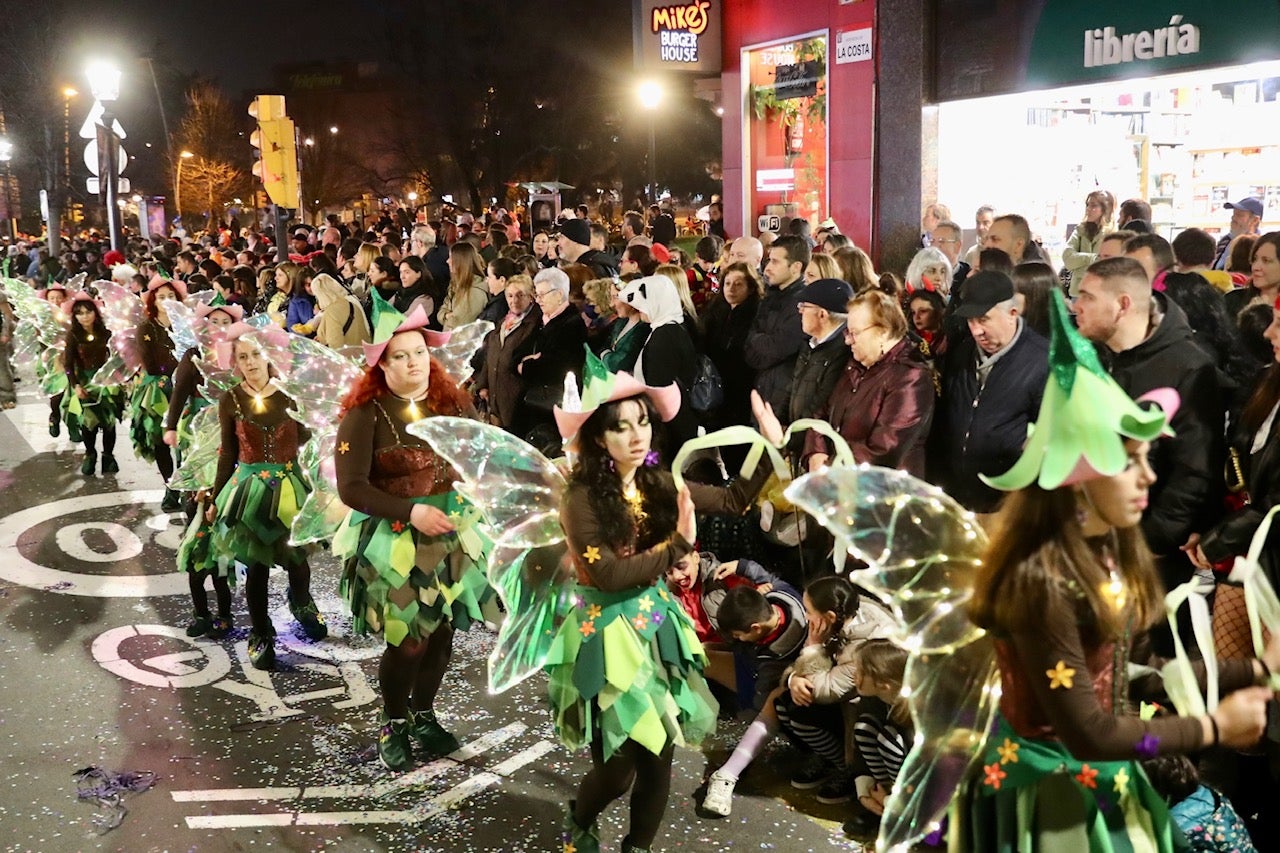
<point x="675" y="36"/>
<point x="1104" y="46"/>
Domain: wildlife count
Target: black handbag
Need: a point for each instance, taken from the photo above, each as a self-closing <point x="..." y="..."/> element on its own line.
<point x="707" y="392"/>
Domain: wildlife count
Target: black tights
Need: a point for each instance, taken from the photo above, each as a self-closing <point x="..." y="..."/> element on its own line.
<point x="634" y="768"/>
<point x="410" y="674"/>
<point x="90" y="437"/>
<point x="55" y="405"/>
<point x="164" y="460"/>
<point x="200" y="600"/>
<point x="255" y="592"/>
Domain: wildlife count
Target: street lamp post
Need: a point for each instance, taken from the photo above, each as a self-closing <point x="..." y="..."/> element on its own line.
<point x="104" y="81"/>
<point x="6" y="155"/>
<point x="177" y="183"/>
<point x="67" y="94"/>
<point x="650" y="93"/>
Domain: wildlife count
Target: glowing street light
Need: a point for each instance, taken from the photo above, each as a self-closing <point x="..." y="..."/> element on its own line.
<point x="104" y="82"/>
<point x="413" y="196"/>
<point x="177" y="182"/>
<point x="333" y="129"/>
<point x="309" y="141"/>
<point x="650" y="94"/>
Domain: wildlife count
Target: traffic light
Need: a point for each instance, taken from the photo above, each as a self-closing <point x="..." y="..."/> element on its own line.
<point x="276" y="150"/>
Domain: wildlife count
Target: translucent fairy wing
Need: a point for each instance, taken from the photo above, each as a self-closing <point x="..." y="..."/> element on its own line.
<point x="535" y="585"/>
<point x="321" y="513"/>
<point x="46" y="326"/>
<point x="518" y="491"/>
<point x="516" y="488"/>
<point x="53" y="378"/>
<point x="199" y="469"/>
<point x="122" y="312"/>
<point x="463" y="344"/>
<point x="922" y="550"/>
<point x="182" y="322"/>
<point x="317" y="379"/>
<point x="113" y="372"/>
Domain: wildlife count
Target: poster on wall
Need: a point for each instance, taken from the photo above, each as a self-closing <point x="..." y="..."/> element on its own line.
<point x="682" y="37"/>
<point x="992" y="47"/>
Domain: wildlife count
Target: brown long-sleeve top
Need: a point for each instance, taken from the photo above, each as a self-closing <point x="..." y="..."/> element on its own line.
<point x="250" y="435"/>
<point x="156" y="349"/>
<point x="381" y="467"/>
<point x="82" y="358"/>
<point x="601" y="565"/>
<point x="187" y="383"/>
<point x="1058" y="681"/>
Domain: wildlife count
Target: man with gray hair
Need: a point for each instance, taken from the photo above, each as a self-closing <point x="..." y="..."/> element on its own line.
<point x="422" y="242"/>
<point x="556" y="350"/>
<point x="991" y="390"/>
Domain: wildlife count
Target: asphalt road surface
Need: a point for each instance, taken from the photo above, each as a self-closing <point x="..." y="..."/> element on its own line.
<point x="96" y="672"/>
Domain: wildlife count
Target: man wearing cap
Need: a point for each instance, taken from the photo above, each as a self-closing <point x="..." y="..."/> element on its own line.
<point x="575" y="248"/>
<point x="1246" y="216"/>
<point x="823" y="312"/>
<point x="991" y="391"/>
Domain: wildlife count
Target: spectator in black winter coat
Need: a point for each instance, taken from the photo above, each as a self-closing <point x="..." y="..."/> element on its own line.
<point x="991" y="390"/>
<point x="725" y="322"/>
<point x="776" y="335"/>
<point x="1146" y="344"/>
<point x="668" y="356"/>
<point x="822" y="359"/>
<point x="575" y="248"/>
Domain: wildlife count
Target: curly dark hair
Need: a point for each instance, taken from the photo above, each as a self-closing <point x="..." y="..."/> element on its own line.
<point x="595" y="471"/>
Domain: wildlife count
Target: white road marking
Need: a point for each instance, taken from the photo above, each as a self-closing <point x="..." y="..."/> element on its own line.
<point x="425" y="811"/>
<point x="106" y="651"/>
<point x="125" y="543"/>
<point x="31" y="420"/>
<point x="16" y="568"/>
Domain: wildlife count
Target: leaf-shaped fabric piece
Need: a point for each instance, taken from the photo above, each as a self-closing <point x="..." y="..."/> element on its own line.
<point x="536" y="585"/>
<point x="199" y="469"/>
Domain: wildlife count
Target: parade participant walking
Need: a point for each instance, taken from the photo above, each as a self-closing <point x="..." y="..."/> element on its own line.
<point x="259" y="490"/>
<point x="87" y="408"/>
<point x="412" y="564"/>
<point x="150" y="399"/>
<point x="50" y="369"/>
<point x="626" y="526"/>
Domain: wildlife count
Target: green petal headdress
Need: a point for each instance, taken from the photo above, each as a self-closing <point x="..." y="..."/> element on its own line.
<point x="600" y="386"/>
<point x="387" y="322"/>
<point x="1084" y="417"/>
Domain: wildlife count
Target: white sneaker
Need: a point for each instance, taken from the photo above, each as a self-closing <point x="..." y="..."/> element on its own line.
<point x="719" y="798"/>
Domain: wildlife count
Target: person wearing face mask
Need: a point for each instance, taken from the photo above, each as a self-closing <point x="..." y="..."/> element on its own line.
<point x="668" y="355"/>
<point x="412" y="566"/>
<point x="150" y="399"/>
<point x="87" y="408"/>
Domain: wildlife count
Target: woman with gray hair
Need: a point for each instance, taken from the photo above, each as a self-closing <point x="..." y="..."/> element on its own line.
<point x="558" y="350"/>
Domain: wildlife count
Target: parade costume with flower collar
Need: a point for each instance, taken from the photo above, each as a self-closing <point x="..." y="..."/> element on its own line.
<point x="994" y="713"/>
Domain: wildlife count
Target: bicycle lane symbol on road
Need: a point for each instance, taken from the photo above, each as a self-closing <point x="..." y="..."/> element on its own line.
<point x="203" y="663"/>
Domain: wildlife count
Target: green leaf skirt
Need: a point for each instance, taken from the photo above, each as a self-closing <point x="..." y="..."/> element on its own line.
<point x="255" y="509"/>
<point x="196" y="552"/>
<point x="1033" y="795"/>
<point x="401" y="583"/>
<point x="100" y="408"/>
<point x="147" y="407"/>
<point x="628" y="666"/>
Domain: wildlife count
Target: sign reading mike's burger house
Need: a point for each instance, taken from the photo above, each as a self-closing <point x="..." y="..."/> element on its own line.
<point x="674" y="36"/>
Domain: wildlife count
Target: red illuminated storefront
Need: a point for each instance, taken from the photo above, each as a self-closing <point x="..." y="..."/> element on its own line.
<point x="798" y="85"/>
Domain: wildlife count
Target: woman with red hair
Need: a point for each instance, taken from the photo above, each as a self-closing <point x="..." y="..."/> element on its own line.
<point x="150" y="399"/>
<point x="412" y="562"/>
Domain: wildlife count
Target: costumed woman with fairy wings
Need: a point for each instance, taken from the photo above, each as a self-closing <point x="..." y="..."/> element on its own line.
<point x="412" y="556"/>
<point x="626" y="667"/>
<point x="87" y="408"/>
<point x="1066" y="590"/>
<point x="53" y="380"/>
<point x="260" y="488"/>
<point x="150" y="399"/>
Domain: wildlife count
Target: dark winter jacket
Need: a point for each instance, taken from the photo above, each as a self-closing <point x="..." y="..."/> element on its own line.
<point x="773" y="344"/>
<point x="724" y="336"/>
<point x="982" y="429"/>
<point x="1187" y="495"/>
<point x="817" y="371"/>
<point x="669" y="357"/>
<point x="602" y="264"/>
<point x="882" y="411"/>
<point x="498" y="371"/>
<point x="559" y="344"/>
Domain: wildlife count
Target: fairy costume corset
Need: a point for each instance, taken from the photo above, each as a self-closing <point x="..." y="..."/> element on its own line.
<point x="264" y="430"/>
<point x="1018" y="703"/>
<point x="403" y="465"/>
<point x="156" y="349"/>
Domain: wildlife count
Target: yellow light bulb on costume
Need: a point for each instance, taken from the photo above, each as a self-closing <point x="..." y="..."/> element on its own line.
<point x="258" y="404"/>
<point x="88" y="337"/>
<point x="413" y="412"/>
<point x="1114" y="592"/>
